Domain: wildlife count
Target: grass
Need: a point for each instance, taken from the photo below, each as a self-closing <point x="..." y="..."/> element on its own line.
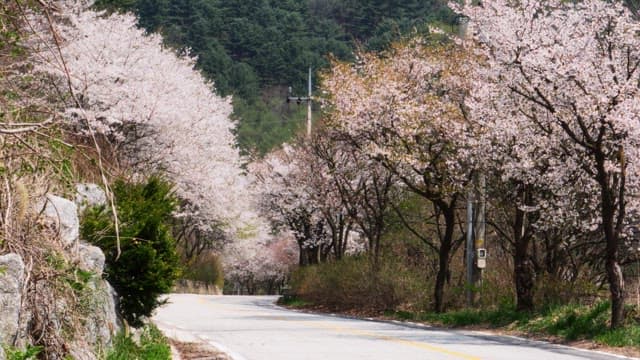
<point x="29" y="353"/>
<point x="152" y="346"/>
<point x="567" y="322"/>
<point x="293" y="301"/>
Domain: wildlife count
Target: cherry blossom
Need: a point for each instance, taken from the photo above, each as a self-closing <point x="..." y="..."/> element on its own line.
<point x="159" y="112"/>
<point x="560" y="87"/>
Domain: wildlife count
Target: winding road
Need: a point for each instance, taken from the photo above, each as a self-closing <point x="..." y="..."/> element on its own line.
<point x="253" y="328"/>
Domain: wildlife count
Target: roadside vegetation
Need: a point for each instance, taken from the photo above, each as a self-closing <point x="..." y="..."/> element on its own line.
<point x="150" y="344"/>
<point x="494" y="154"/>
<point x="565" y="323"/>
<point x="141" y="259"/>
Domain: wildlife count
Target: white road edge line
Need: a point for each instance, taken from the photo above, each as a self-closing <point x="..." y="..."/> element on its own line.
<point x="182" y="334"/>
<point x="232" y="354"/>
<point x="462" y="332"/>
<point x="542" y="342"/>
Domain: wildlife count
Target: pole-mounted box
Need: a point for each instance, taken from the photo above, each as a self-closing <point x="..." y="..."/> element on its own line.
<point x="481" y="262"/>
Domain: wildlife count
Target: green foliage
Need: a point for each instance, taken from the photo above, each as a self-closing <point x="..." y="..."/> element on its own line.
<point x="293" y="301"/>
<point x="569" y="322"/>
<point x="206" y="269"/>
<point x="250" y="48"/>
<point x="148" y="264"/>
<point x="152" y="346"/>
<point x="625" y="336"/>
<point x="30" y="353"/>
<point x="264" y="125"/>
<point x="572" y="321"/>
<point x="500" y="317"/>
<point x="78" y="279"/>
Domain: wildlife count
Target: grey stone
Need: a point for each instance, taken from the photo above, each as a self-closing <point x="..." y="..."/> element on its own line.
<point x="89" y="195"/>
<point x="64" y="215"/>
<point x="11" y="282"/>
<point x="91" y="258"/>
<point x="102" y="324"/>
<point x="1" y="352"/>
<point x="81" y="351"/>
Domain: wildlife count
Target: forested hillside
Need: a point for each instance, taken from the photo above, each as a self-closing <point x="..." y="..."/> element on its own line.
<point x="255" y="49"/>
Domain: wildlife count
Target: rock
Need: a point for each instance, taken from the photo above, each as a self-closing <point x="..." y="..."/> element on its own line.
<point x="91" y="258"/>
<point x="11" y="282"/>
<point x="64" y="214"/>
<point x="89" y="195"/>
<point x="81" y="351"/>
<point x="102" y="322"/>
<point x="1" y="352"/>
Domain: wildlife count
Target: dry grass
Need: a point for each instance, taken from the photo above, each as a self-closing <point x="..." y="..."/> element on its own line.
<point x="197" y="351"/>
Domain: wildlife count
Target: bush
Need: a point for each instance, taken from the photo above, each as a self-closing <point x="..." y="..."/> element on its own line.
<point x="148" y="264"/>
<point x="206" y="269"/>
<point x="355" y="283"/>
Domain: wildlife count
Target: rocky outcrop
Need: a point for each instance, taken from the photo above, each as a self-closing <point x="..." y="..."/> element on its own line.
<point x="89" y="195"/>
<point x="102" y="324"/>
<point x="91" y="258"/>
<point x="93" y="303"/>
<point x="11" y="283"/>
<point x="63" y="215"/>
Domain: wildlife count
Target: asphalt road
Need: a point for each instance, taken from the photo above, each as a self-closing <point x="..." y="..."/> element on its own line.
<point x="253" y="328"/>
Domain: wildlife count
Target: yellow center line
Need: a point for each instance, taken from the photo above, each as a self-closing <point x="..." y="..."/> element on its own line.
<point x="416" y="344"/>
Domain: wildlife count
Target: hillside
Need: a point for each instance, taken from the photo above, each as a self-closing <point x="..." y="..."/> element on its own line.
<point x="256" y="49"/>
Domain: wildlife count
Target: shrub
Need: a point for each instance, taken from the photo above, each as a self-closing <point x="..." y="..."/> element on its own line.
<point x="206" y="269"/>
<point x="148" y="264"/>
<point x="355" y="283"/>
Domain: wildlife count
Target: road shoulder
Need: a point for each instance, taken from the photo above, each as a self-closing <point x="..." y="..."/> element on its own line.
<point x="497" y="335"/>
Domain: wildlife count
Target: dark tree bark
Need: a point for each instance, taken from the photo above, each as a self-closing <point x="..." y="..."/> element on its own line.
<point x="523" y="270"/>
<point x="612" y="191"/>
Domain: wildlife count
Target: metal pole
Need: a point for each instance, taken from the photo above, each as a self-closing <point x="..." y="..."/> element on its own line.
<point x="309" y="106"/>
<point x="470" y="254"/>
<point x="480" y="225"/>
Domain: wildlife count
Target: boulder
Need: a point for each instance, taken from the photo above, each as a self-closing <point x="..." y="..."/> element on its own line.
<point x="91" y="258"/>
<point x="102" y="323"/>
<point x="89" y="195"/>
<point x="64" y="215"/>
<point x="11" y="283"/>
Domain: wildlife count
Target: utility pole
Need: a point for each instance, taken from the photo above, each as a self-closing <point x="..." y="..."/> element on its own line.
<point x="307" y="99"/>
<point x="476" y="252"/>
<point x="470" y="253"/>
<point x="481" y="250"/>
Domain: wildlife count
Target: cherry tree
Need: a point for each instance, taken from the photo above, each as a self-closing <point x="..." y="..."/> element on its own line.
<point x="364" y="188"/>
<point x="561" y="85"/>
<point x="159" y="112"/>
<point x="256" y="261"/>
<point x="405" y="110"/>
<point x="290" y="203"/>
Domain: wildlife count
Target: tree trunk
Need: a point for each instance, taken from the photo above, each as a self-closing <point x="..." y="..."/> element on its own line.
<point x="524" y="279"/>
<point x="444" y="252"/>
<point x="441" y="277"/>
<point x="611" y="224"/>
<point x="616" y="287"/>
<point x="523" y="273"/>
